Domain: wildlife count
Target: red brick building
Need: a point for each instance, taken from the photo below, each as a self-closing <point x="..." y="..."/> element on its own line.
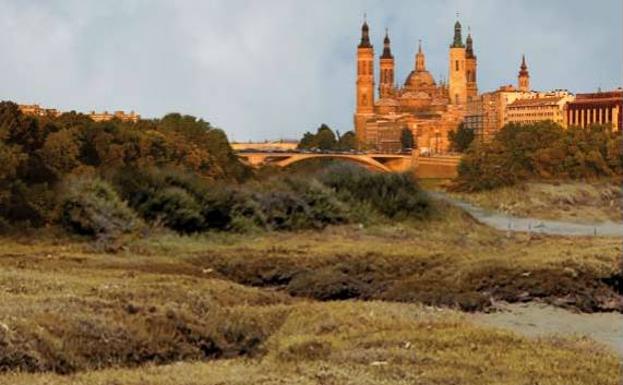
<point x="596" y="108"/>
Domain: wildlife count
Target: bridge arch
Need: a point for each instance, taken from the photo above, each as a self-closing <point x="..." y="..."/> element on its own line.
<point x="359" y="159"/>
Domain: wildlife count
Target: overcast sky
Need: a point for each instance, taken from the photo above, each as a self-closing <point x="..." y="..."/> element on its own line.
<point x="268" y="69"/>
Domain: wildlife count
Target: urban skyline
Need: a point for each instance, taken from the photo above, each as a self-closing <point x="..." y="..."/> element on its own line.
<point x="240" y="71"/>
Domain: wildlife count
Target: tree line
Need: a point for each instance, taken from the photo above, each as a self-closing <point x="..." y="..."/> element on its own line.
<point x="543" y="150"/>
<point x="326" y="140"/>
<point x="38" y="153"/>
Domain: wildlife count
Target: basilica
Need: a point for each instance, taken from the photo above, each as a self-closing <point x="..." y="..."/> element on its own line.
<point x="428" y="108"/>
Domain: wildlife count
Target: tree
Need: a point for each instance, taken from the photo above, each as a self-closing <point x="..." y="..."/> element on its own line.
<point x="60" y="152"/>
<point x="461" y="139"/>
<point x="324" y="139"/>
<point x="406" y="139"/>
<point x="348" y="141"/>
<point x="308" y="141"/>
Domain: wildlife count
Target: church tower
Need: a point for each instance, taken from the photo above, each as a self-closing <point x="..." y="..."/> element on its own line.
<point x="457" y="85"/>
<point x="471" y="66"/>
<point x="524" y="76"/>
<point x="365" y="83"/>
<point x="386" y="86"/>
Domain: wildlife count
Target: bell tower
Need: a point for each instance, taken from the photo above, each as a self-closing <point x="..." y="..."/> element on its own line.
<point x="457" y="77"/>
<point x="471" y="66"/>
<point x="386" y="84"/>
<point x="365" y="83"/>
<point x="523" y="79"/>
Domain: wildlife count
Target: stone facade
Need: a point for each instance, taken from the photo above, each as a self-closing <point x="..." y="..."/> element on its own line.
<point x="550" y="106"/>
<point x="427" y="108"/>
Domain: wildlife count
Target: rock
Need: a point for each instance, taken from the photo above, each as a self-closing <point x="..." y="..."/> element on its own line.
<point x="378" y="363"/>
<point x="571" y="272"/>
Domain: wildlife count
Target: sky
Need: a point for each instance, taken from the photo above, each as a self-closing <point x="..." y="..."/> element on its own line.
<point x="271" y="69"/>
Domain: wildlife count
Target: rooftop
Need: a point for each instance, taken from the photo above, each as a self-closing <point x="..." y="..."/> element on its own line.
<point x="536" y="102"/>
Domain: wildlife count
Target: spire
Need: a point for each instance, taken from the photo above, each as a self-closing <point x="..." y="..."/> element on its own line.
<point x="523" y="69"/>
<point x="469" y="43"/>
<point x="387" y="51"/>
<point x="420" y="64"/>
<point x="524" y="76"/>
<point x="365" y="34"/>
<point x="458" y="39"/>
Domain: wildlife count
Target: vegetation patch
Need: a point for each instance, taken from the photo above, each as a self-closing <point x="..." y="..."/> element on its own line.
<point x="542" y="150"/>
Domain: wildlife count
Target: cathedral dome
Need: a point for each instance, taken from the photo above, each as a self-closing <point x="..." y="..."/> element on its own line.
<point x="419" y="79"/>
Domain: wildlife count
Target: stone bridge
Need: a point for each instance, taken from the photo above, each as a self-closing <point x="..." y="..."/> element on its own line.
<point x="378" y="162"/>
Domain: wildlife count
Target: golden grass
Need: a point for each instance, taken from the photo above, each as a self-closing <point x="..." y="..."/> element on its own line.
<point x="597" y="201"/>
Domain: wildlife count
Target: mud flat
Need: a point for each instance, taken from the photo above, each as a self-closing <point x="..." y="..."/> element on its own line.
<point x="537" y="320"/>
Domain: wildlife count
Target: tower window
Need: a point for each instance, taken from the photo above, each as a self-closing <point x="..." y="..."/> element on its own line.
<point x="456" y="65"/>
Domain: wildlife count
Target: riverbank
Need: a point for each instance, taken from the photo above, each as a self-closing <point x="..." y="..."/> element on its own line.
<point x="581" y="202"/>
<point x="536" y="225"/>
<point x="539" y="320"/>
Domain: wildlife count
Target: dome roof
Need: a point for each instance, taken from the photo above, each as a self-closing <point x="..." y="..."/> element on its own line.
<point x="419" y="79"/>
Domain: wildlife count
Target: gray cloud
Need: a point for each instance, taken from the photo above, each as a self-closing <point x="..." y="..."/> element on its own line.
<point x="275" y="68"/>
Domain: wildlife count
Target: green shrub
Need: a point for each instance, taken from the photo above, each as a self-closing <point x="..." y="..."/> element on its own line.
<point x="175" y="208"/>
<point x="396" y="196"/>
<point x="324" y="207"/>
<point x="92" y="207"/>
<point x="182" y="202"/>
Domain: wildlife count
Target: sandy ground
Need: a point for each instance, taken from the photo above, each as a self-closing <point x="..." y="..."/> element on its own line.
<point x="535" y="225"/>
<point x="535" y="320"/>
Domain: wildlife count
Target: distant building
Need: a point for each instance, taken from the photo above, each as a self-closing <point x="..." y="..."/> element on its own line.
<point x="36" y="110"/>
<point x="490" y="111"/>
<point x="596" y="108"/>
<point x="486" y="114"/>
<point x="548" y="106"/>
<point x="428" y="108"/>
<point x="121" y="115"/>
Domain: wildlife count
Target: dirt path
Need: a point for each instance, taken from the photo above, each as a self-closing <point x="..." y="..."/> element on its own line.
<point x="506" y="222"/>
<point x="535" y="320"/>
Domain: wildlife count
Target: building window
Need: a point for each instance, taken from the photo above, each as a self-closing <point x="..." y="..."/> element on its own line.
<point x="456" y="65"/>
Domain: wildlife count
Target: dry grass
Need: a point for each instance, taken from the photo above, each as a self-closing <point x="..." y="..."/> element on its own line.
<point x="69" y="309"/>
<point x="377" y="343"/>
<point x="569" y="201"/>
<point x="454" y="262"/>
